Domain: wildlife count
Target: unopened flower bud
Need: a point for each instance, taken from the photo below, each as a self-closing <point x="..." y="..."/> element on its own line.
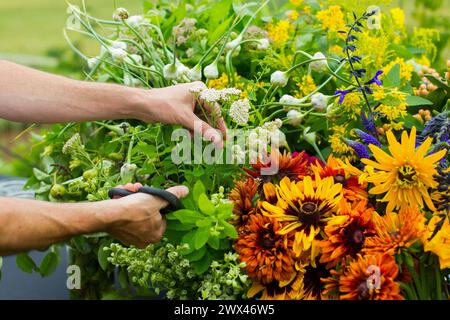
<point x="211" y="71"/>
<point x="118" y="55"/>
<point x="120" y="14"/>
<point x="295" y="117"/>
<point x="170" y="71"/>
<point x="319" y="101"/>
<point x="319" y="65"/>
<point x="279" y="78"/>
<point x="309" y="137"/>
<point x="263" y="44"/>
<point x="195" y="74"/>
<point x="127" y="172"/>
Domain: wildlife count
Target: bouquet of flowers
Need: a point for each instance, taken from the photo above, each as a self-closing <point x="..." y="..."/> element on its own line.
<point x="343" y="191"/>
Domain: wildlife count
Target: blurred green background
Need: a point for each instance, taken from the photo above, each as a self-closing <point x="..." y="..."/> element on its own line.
<point x="31" y="34"/>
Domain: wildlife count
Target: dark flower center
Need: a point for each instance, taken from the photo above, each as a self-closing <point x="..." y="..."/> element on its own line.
<point x="407" y="175"/>
<point x="312" y="279"/>
<point x="266" y="239"/>
<point x="309" y="208"/>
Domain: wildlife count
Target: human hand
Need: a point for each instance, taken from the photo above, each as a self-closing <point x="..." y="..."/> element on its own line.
<point x="177" y="105"/>
<point x="138" y="220"/>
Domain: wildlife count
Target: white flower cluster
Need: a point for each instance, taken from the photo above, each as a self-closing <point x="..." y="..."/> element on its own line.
<point x="260" y="137"/>
<point x="239" y="111"/>
<point x="73" y="143"/>
<point x="120" y="14"/>
<point x="215" y="95"/>
<point x="237" y="154"/>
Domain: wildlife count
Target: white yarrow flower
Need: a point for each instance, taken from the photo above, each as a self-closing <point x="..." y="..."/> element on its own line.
<point x="239" y="111"/>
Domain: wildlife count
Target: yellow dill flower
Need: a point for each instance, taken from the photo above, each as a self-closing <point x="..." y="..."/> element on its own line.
<point x="293" y="15"/>
<point x="406" y="69"/>
<point x="398" y="17"/>
<point x="332" y="19"/>
<point x="279" y="32"/>
<point x="296" y="2"/>
<point x="424" y="38"/>
<point x="391" y="112"/>
<point x="406" y="174"/>
<point x="368" y="42"/>
<point x="306" y="86"/>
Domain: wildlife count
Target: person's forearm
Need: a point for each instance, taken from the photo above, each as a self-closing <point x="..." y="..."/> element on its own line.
<point x="31" y="96"/>
<point x="31" y="224"/>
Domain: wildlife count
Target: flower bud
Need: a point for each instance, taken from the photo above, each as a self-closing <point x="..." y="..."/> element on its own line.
<point x="119" y="45"/>
<point x="290" y="100"/>
<point x="118" y="55"/>
<point x="278" y="138"/>
<point x="195" y="74"/>
<point x="170" y="71"/>
<point x="211" y="71"/>
<point x="319" y="101"/>
<point x="92" y="62"/>
<point x="234" y="43"/>
<point x="295" y="117"/>
<point x="319" y="65"/>
<point x="57" y="191"/>
<point x="120" y="14"/>
<point x="263" y="44"/>
<point x="135" y="21"/>
<point x="279" y="78"/>
<point x="127" y="172"/>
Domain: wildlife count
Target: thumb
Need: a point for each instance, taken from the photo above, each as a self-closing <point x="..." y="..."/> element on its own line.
<point x="179" y="191"/>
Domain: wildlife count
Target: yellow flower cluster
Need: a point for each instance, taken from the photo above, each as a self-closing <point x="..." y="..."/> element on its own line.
<point x="406" y="70"/>
<point x="398" y="17"/>
<point x="332" y="18"/>
<point x="424" y="38"/>
<point x="279" y="32"/>
<point x="378" y="93"/>
<point x="351" y="104"/>
<point x="340" y="148"/>
<point x="393" y="107"/>
<point x="293" y="15"/>
<point x="305" y="86"/>
<point x="440" y="244"/>
<point x="367" y="44"/>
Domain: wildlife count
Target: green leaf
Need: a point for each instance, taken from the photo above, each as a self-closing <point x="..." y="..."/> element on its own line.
<point x="196" y="255"/>
<point x="123" y="278"/>
<point x="214" y="242"/>
<point x="199" y="188"/>
<point x="201" y="237"/>
<point x="25" y="263"/>
<point x="392" y="79"/>
<point x="189" y="239"/>
<point x="205" y="205"/>
<point x="187" y="216"/>
<point x="204" y="222"/>
<point x="177" y="226"/>
<point x="49" y="264"/>
<point x="401" y="51"/>
<point x="413" y="101"/>
<point x="81" y="244"/>
<point x="40" y="175"/>
<point x="229" y="230"/>
<point x="225" y="211"/>
<point x="438" y="97"/>
<point x="203" y="264"/>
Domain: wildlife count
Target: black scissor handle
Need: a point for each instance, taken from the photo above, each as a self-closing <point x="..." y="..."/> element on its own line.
<point x="174" y="202"/>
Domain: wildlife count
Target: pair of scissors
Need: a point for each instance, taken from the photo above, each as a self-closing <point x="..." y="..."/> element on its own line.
<point x="174" y="203"/>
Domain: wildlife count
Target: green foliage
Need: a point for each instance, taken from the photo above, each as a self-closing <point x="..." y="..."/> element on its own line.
<point x="203" y="226"/>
